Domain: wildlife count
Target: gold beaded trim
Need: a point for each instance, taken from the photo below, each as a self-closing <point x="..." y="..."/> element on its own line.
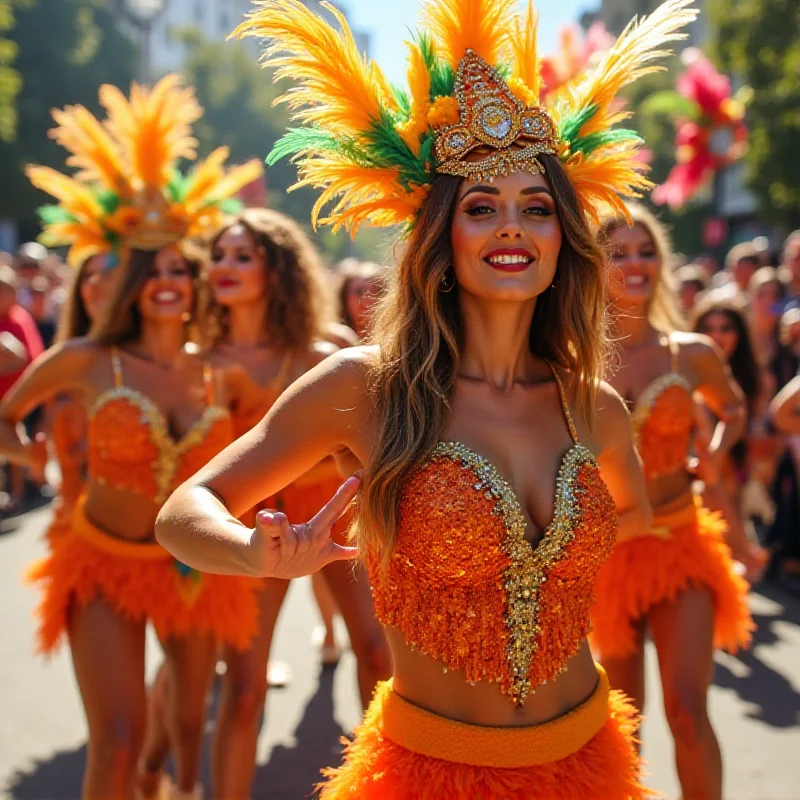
<point x="528" y="567"/>
<point x="170" y="451"/>
<point x="650" y="395"/>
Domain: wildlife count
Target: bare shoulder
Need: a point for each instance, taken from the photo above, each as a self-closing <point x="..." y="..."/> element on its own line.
<point x="611" y="412"/>
<point x="78" y="354"/>
<point x="346" y="369"/>
<point x="695" y="349"/>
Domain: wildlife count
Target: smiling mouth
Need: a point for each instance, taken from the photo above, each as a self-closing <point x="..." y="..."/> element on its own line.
<point x="636" y="281"/>
<point x="166" y="297"/>
<point x="509" y="260"/>
<point x="226" y="283"/>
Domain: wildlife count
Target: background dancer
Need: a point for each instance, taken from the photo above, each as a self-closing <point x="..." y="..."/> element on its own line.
<point x="675" y="578"/>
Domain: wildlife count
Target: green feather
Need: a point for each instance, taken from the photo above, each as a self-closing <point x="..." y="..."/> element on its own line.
<point x="54" y="215"/>
<point x="109" y="201"/>
<point x="387" y="148"/>
<point x="176" y="188"/>
<point x="588" y="144"/>
<point x="230" y="205"/>
<point x="426" y="152"/>
<point x="298" y="140"/>
<point x="402" y="100"/>
<point x="571" y="126"/>
<point x="443" y="80"/>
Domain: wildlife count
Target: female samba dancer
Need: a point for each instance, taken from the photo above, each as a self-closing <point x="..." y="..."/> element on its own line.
<point x="86" y="298"/>
<point x="359" y="291"/>
<point x="155" y="415"/>
<point x="677" y="577"/>
<point x="489" y="342"/>
<point x="269" y="311"/>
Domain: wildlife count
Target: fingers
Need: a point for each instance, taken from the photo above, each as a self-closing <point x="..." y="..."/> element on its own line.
<point x="276" y="528"/>
<point x="327" y="516"/>
<point x="338" y="552"/>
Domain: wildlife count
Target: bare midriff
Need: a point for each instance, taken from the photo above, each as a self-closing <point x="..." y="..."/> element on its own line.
<point x="422" y="680"/>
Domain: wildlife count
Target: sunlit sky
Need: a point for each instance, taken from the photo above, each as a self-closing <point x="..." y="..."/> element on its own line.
<point x="389" y="22"/>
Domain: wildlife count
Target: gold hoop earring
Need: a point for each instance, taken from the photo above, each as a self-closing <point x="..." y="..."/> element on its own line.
<point x="446" y="286"/>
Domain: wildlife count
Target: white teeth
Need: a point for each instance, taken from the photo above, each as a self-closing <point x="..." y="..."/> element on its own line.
<point x="166" y="297"/>
<point x="635" y="280"/>
<point x="507" y="259"/>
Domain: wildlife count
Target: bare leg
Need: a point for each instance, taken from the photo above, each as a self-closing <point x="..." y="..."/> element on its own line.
<point x="189" y="671"/>
<point x="683" y="634"/>
<point x="349" y="586"/>
<point x="627" y="674"/>
<point x="156" y="740"/>
<point x="241" y="705"/>
<point x="108" y="657"/>
<point x="327" y="609"/>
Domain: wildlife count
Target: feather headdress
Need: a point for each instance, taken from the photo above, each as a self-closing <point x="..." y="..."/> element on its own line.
<point x="128" y="191"/>
<point x="471" y="108"/>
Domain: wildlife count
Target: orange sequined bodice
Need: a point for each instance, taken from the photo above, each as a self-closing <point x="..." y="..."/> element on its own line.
<point x="464" y="586"/>
<point x="130" y="447"/>
<point x="663" y="421"/>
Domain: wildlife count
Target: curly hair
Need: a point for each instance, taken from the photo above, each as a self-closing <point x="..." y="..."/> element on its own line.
<point x="298" y="298"/>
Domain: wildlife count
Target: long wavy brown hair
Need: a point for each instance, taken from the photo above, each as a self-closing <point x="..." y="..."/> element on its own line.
<point x="121" y="320"/>
<point x="419" y="331"/>
<point x="663" y="313"/>
<point x="299" y="306"/>
<point x="74" y="319"/>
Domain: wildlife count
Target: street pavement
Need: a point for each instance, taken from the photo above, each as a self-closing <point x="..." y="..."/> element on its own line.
<point x="755" y="700"/>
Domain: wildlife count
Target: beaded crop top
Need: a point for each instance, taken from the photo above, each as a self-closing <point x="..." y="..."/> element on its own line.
<point x="465" y="587"/>
<point x="130" y="446"/>
<point x="663" y="420"/>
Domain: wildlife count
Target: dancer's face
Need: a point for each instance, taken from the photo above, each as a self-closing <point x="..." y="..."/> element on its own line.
<point x="506" y="238"/>
<point x="722" y="329"/>
<point x="238" y="271"/>
<point x="169" y="290"/>
<point x="96" y="283"/>
<point x="634" y="269"/>
<point x="361" y="296"/>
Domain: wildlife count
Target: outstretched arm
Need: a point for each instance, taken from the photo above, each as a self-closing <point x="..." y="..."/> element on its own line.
<point x="785" y="408"/>
<point x="321" y="414"/>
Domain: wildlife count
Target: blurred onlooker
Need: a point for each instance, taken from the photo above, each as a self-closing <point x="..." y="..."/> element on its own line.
<point x="28" y="266"/>
<point x="767" y="298"/>
<point x="791" y="266"/>
<point x="20" y="343"/>
<point x="692" y="281"/>
<point x="741" y="479"/>
<point x="790" y="329"/>
<point x="741" y="263"/>
<point x="360" y="288"/>
<point x="41" y="310"/>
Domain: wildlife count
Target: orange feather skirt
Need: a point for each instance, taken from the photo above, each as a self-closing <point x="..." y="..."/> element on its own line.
<point x="402" y="751"/>
<point x="139" y="581"/>
<point x="650" y="569"/>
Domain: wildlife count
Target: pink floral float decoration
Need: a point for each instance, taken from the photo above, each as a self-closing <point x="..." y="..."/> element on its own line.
<point x="710" y="129"/>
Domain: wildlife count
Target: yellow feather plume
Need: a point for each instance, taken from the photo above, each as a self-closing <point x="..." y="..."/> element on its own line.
<point x="75" y="198"/>
<point x="602" y="181"/>
<point x="234" y="180"/>
<point x="94" y="152"/>
<point x="205" y="176"/>
<point x="522" y="41"/>
<point x="153" y="128"/>
<point x="456" y="25"/>
<point x="83" y="241"/>
<point x="334" y="84"/>
<point x="419" y="88"/>
<point x="630" y="58"/>
<point x="354" y="187"/>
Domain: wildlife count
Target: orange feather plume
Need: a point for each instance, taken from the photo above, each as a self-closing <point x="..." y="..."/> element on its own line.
<point x="234" y="180"/>
<point x="480" y="25"/>
<point x="522" y="41"/>
<point x="629" y="59"/>
<point x="94" y="152"/>
<point x="75" y="198"/>
<point x="419" y="89"/>
<point x="153" y="128"/>
<point x="602" y="181"/>
<point x="334" y="83"/>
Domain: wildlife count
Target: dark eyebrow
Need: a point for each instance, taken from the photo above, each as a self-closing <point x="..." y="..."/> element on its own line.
<point x="494" y="190"/>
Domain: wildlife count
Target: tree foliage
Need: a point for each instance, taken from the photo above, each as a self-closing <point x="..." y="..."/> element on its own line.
<point x="65" y="50"/>
<point x="758" y="41"/>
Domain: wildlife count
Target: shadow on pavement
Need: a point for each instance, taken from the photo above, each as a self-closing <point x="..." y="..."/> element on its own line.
<point x="773" y="695"/>
<point x="57" y="778"/>
<point x="292" y="772"/>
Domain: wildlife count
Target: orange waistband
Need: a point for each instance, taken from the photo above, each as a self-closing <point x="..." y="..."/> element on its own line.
<point x="684" y="515"/>
<point x="89" y="532"/>
<point x="429" y="734"/>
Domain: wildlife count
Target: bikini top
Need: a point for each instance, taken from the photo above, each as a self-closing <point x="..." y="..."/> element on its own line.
<point x="130" y="446"/>
<point x="465" y="587"/>
<point x="246" y="418"/>
<point x="663" y="420"/>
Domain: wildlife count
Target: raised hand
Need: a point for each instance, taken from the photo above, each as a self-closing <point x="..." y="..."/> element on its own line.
<point x="279" y="549"/>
